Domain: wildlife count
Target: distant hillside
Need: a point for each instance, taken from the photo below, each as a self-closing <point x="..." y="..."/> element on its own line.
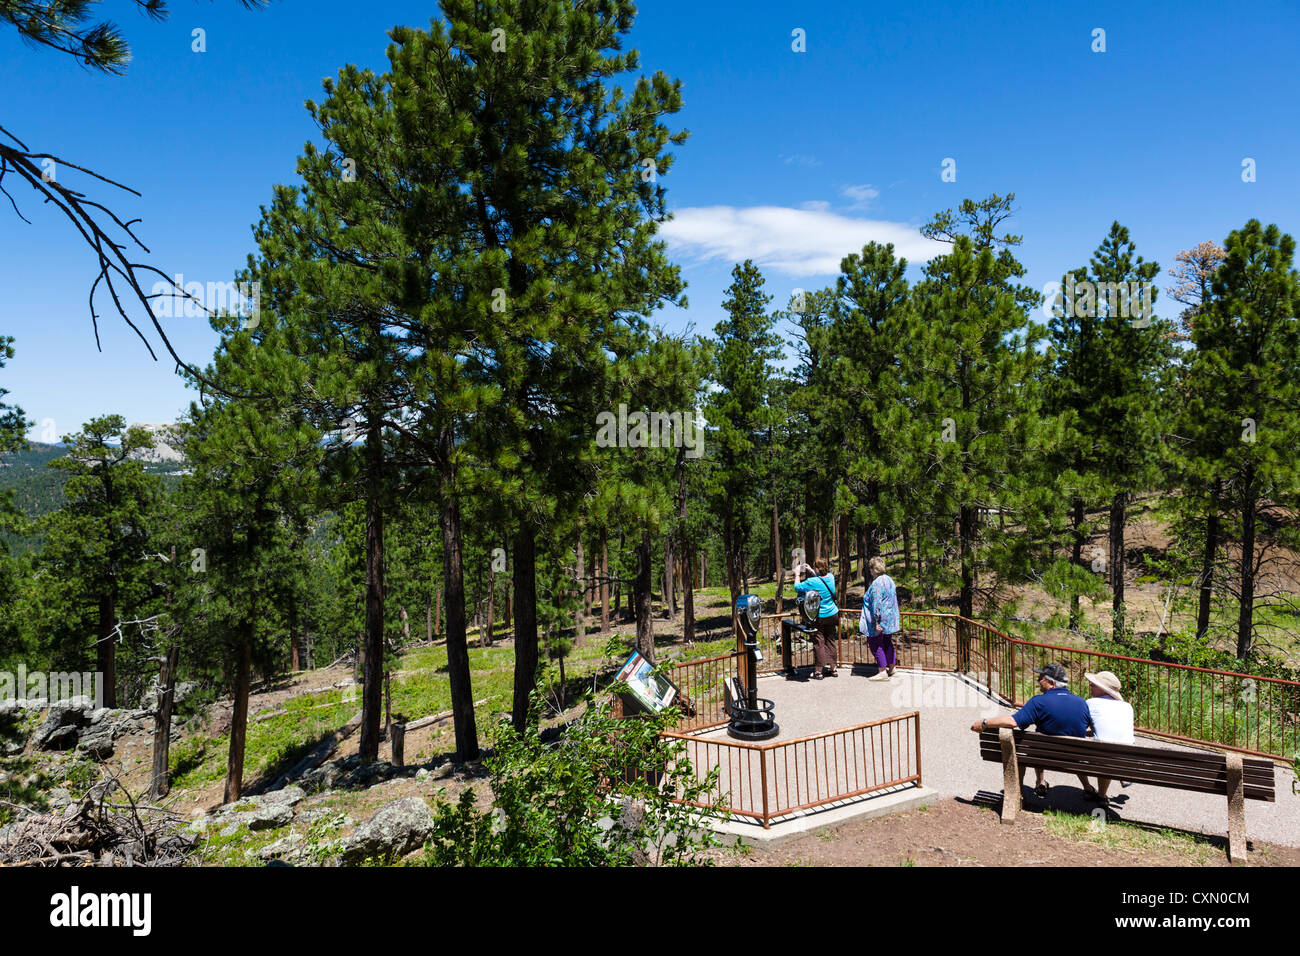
<point x="38" y="488"/>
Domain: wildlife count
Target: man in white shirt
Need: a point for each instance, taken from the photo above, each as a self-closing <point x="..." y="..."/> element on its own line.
<point x="1112" y="722"/>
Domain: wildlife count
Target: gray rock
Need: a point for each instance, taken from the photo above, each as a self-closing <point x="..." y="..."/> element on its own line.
<point x="289" y="847"/>
<point x="59" y="797"/>
<point x="395" y="829"/>
<point x="267" y="817"/>
<point x="422" y="773"/>
<point x="289" y="796"/>
<point x="97" y="741"/>
<point x="444" y="771"/>
<point x="63" y="723"/>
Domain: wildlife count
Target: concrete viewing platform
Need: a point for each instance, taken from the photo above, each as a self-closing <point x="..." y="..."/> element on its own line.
<point x="951" y="765"/>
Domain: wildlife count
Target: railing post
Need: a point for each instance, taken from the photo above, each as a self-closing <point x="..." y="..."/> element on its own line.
<point x="916" y="725"/>
<point x="762" y="770"/>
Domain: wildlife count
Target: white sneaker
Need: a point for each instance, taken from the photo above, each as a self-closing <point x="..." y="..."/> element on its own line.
<point x="880" y="675"/>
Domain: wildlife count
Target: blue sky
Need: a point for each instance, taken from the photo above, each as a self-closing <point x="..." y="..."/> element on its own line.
<point x="795" y="158"/>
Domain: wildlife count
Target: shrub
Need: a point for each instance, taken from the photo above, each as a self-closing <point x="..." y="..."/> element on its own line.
<point x="598" y="795"/>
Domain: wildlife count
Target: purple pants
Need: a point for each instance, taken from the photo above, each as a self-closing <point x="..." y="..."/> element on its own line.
<point x="883" y="648"/>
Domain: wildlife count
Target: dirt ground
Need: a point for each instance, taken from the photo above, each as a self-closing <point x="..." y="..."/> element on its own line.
<point x="957" y="832"/>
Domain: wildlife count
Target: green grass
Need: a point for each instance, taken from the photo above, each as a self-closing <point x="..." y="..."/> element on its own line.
<point x="1126" y="836"/>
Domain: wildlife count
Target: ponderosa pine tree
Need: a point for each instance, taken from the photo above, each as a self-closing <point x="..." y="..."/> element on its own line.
<point x="868" y="344"/>
<point x="978" y="371"/>
<point x="739" y="411"/>
<point x="559" y="172"/>
<point x="96" y="541"/>
<point x="1123" y="414"/>
<point x="254" y="462"/>
<point x="1244" y="387"/>
<point x="1195" y="450"/>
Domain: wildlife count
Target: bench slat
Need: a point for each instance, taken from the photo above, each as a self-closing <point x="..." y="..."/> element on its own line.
<point x="1153" y="766"/>
<point x="1260" y="774"/>
<point x="1188" y="757"/>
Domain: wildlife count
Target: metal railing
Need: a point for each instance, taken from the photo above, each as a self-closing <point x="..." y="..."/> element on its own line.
<point x="1249" y="713"/>
<point x="1233" y="711"/>
<point x="765" y="782"/>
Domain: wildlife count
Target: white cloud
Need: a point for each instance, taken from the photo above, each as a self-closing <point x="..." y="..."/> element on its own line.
<point x="796" y="242"/>
<point x="816" y="205"/>
<point x="861" y="195"/>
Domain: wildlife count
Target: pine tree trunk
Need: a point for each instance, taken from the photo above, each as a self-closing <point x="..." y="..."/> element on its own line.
<point x="842" y="585"/>
<point x="462" y="697"/>
<point x="437" y="605"/>
<point x="967" y="524"/>
<point x="160" y="779"/>
<point x="733" y="573"/>
<point x="491" y="607"/>
<point x="1207" y="561"/>
<point x="1246" y="612"/>
<point x="777" y="557"/>
<point x="1076" y="555"/>
<point x="907" y="551"/>
<point x="645" y="628"/>
<point x="525" y="580"/>
<point x="106" y="649"/>
<point x="372" y="690"/>
<point x="239" y="719"/>
<point x="1119" y="626"/>
<point x="295" y="650"/>
<point x="243" y="671"/>
<point x="428" y="616"/>
<point x="580" y="623"/>
<point x="604" y="580"/>
<point x="688" y="597"/>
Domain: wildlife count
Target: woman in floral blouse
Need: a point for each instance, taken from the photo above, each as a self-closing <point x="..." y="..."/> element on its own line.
<point x="879" y="620"/>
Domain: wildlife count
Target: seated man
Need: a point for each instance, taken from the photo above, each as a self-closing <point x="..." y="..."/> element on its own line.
<point x="1112" y="721"/>
<point x="1055" y="711"/>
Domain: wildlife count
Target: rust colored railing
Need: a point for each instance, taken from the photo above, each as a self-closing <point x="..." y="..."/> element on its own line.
<point x="1234" y="711"/>
<point x="765" y="782"/>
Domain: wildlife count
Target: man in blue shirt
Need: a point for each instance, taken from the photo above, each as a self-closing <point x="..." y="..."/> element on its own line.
<point x="1055" y="711"/>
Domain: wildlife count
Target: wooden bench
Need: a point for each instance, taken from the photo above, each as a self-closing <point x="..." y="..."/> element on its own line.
<point x="1232" y="775"/>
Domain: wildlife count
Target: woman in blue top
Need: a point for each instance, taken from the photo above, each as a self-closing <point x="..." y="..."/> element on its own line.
<point x="828" y="616"/>
<point x="879" y="622"/>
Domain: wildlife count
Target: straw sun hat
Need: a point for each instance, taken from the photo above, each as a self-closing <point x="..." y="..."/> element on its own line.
<point x="1107" y="682"/>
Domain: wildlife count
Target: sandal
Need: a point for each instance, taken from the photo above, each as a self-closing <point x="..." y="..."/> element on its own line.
<point x="816" y="675"/>
<point x="1040" y="791"/>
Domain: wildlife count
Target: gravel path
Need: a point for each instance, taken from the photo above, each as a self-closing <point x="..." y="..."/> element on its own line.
<point x="951" y="764"/>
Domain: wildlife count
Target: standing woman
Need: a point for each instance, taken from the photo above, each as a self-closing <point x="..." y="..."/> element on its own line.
<point x="828" y="616"/>
<point x="879" y="620"/>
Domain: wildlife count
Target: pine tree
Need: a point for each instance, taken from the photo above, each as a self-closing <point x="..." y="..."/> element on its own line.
<point x="979" y="369"/>
<point x="739" y="411"/>
<point x="94" y="544"/>
<point x="254" y="463"/>
<point x="559" y="173"/>
<point x="1244" y="384"/>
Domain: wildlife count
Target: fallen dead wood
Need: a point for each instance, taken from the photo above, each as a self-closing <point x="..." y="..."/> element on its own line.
<point x="437" y="718"/>
<point x="93" y="830"/>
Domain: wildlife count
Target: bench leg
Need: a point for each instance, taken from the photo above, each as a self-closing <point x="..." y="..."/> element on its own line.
<point x="1236" y="811"/>
<point x="1011" y="777"/>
